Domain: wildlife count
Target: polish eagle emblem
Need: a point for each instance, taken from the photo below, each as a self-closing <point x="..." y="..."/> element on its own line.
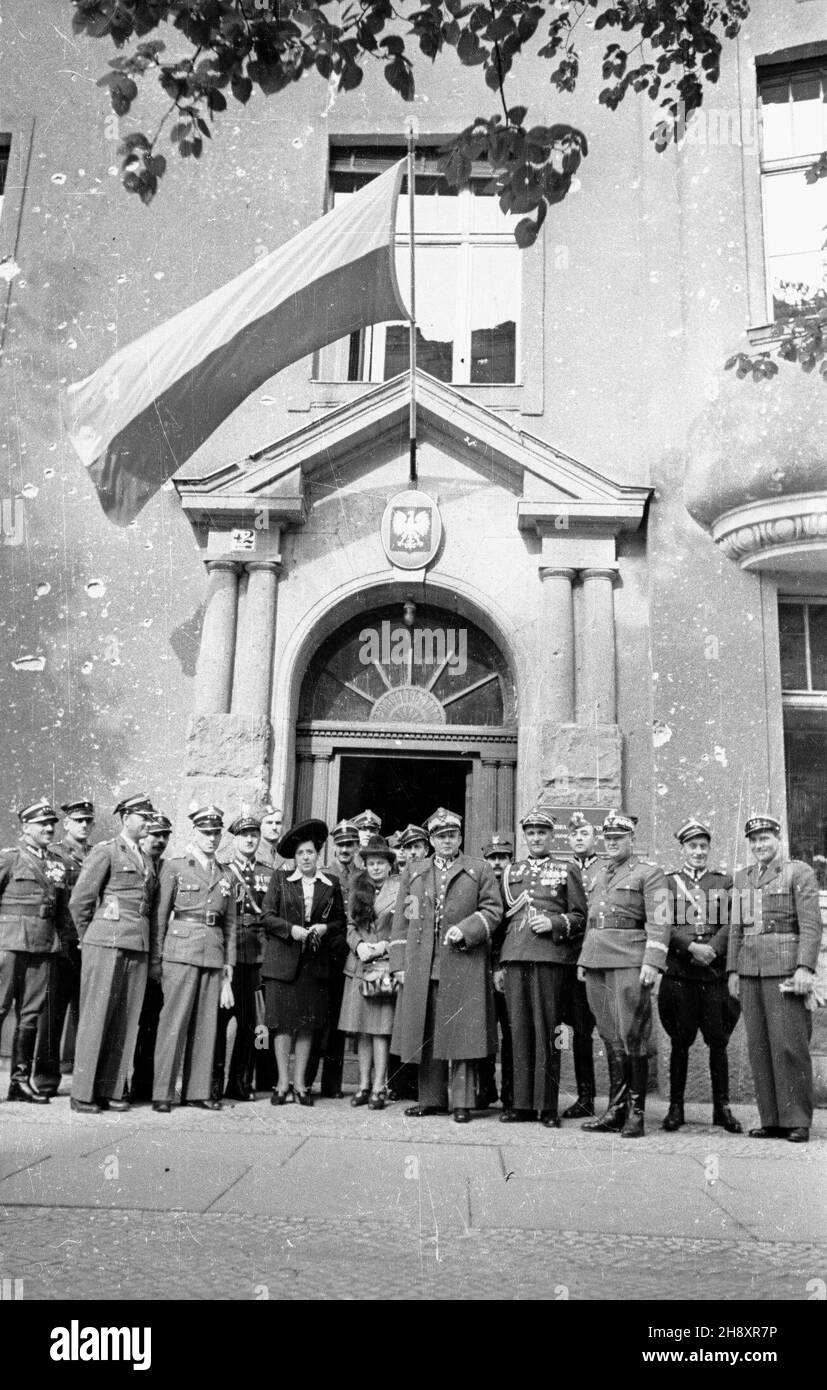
<point x="411" y="528"/>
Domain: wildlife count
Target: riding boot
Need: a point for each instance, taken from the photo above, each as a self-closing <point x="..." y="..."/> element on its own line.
<point x="639" y="1075"/>
<point x="678" y="1065"/>
<point x="614" y="1117"/>
<point x="217" y="1083"/>
<point x="719" y="1072"/>
<point x="584" y="1078"/>
<point x="22" y="1057"/>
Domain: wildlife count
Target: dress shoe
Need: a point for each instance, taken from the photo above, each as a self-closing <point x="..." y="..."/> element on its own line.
<point x="462" y="1116"/>
<point x="332" y="1095"/>
<point x="119" y="1105"/>
<point x="674" y="1117"/>
<point x="204" y="1104"/>
<point x="799" y="1135"/>
<point x="23" y="1090"/>
<point x="161" y="1107"/>
<point x="723" y="1116"/>
<point x="419" y="1112"/>
<point x="516" y="1117"/>
<point x="361" y="1098"/>
<point x="85" y="1107"/>
<point x="550" y="1119"/>
<point x="767" y="1132"/>
<point x="582" y="1109"/>
<point x="305" y="1097"/>
<point x="377" y="1101"/>
<point x="236" y="1093"/>
<point x="282" y="1097"/>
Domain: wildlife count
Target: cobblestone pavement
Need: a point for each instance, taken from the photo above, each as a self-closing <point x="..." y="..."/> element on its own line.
<point x="296" y="1203"/>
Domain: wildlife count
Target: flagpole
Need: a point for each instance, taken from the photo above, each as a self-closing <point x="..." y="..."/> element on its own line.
<point x="411" y="131"/>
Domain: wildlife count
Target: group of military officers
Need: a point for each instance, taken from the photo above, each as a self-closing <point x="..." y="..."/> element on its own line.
<point x="151" y="958"/>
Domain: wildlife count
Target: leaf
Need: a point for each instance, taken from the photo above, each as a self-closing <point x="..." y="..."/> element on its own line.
<point x="517" y="114"/>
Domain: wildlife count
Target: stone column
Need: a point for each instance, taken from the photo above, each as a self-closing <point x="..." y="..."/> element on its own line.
<point x="505" y="798"/>
<point x="304" y="787"/>
<point x="558" y="634"/>
<point x="214" y="675"/>
<point x="597" y="698"/>
<point x="255" y="666"/>
<point x="321" y="784"/>
<point x="487" y="808"/>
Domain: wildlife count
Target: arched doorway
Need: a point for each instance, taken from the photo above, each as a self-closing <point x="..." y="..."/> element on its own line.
<point x="405" y="708"/>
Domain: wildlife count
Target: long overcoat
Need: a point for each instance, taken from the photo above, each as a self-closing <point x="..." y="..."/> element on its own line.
<point x="465" y="1023"/>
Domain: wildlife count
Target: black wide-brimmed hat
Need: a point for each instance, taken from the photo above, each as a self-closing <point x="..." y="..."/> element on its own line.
<point x="314" y="830"/>
<point x="378" y="846"/>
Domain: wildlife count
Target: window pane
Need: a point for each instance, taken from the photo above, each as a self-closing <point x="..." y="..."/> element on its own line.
<point x="808" y="114"/>
<point x="437" y="210"/>
<point x="793" y="647"/>
<point x="776" y="119"/>
<point x="805" y="749"/>
<point x="818" y="645"/>
<point x="795" y="217"/>
<point x="487" y="216"/>
<point x="495" y="291"/>
<point x="433" y="357"/>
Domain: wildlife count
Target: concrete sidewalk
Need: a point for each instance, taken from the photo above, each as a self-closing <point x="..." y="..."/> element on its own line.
<point x="218" y="1205"/>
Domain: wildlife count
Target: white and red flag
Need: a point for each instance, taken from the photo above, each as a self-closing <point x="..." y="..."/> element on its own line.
<point x="140" y="416"/>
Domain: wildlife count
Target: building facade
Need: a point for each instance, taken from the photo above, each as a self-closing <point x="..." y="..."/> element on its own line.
<point x="627" y="603"/>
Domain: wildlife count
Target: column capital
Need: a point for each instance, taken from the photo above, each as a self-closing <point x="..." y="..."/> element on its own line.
<point x="270" y="566"/>
<point x="223" y="562"/>
<point x="553" y="571"/>
<point x="606" y="573"/>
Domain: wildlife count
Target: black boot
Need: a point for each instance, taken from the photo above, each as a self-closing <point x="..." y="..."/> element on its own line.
<point x="639" y="1075"/>
<point x="22" y="1055"/>
<point x="678" y="1065"/>
<point x="614" y="1117"/>
<point x="217" y="1083"/>
<point x="719" y="1072"/>
<point x="584" y="1077"/>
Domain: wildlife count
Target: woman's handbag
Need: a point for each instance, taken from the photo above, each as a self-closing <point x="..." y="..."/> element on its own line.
<point x="379" y="984"/>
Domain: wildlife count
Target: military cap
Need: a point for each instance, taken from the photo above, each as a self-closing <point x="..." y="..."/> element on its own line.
<point x="140" y="802"/>
<point x="78" y="808"/>
<point x="38" y="813"/>
<point x="208" y="817"/>
<point x="692" y="828"/>
<point x="619" y="823"/>
<point x="756" y="823"/>
<point x="542" y="819"/>
<point x="344" y="831"/>
<point x="443" y="820"/>
<point x="498" y="844"/>
<point x="245" y="824"/>
<point x="378" y="845"/>
<point x="411" y="834"/>
<point x="270" y="809"/>
<point x="368" y="820"/>
<point x="393" y="840"/>
<point x="315" y="830"/>
<point x="158" y="824"/>
<point x="577" y="820"/>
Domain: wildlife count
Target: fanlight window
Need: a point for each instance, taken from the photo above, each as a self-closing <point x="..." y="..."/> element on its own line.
<point x="439" y="669"/>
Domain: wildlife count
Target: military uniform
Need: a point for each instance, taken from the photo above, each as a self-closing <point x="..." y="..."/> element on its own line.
<point x="537" y="968"/>
<point x="33" y="930"/>
<point x="63" y="995"/>
<point x="250" y="879"/>
<point x="627" y="927"/>
<point x="694" y="996"/>
<point x="140" y="1086"/>
<point x="776" y="927"/>
<point x="576" y="1011"/>
<point x="112" y="906"/>
<point x="328" y="1043"/>
<point x="196" y="940"/>
<point x="486" y="1070"/>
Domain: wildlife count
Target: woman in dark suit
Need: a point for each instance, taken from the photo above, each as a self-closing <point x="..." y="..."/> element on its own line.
<point x="302" y="915"/>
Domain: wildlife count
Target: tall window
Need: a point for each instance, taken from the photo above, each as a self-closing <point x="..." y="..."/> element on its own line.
<point x="793" y="100"/>
<point x="803" y="632"/>
<point x="467" y="278"/>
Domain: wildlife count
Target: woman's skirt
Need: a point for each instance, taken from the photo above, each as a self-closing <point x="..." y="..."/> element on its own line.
<point x="361" y="1015"/>
<point x="301" y="1005"/>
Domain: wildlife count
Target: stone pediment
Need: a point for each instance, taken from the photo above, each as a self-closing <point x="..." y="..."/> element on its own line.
<point x="546" y="483"/>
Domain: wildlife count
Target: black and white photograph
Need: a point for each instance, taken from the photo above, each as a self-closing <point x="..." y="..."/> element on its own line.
<point x="413" y="666"/>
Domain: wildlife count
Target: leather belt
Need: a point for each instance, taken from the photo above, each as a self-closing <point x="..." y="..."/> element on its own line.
<point x="201" y="919"/>
<point x="614" y="921"/>
<point x="770" y="929"/>
<point x="44" y="914"/>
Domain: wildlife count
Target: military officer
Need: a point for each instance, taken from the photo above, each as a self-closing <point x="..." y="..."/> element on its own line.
<point x="498" y="852"/>
<point x="112" y="905"/>
<point x="33" y="930"/>
<point x="414" y="843"/>
<point x="624" y="953"/>
<point x="693" y="992"/>
<point x="328" y="1043"/>
<point x="272" y="829"/>
<point x="250" y="879"/>
<point x="774" y="939"/>
<point x="63" y="996"/>
<point x="193" y="957"/>
<point x="545" y="909"/>
<point x="153" y="843"/>
<point x="446" y="912"/>
<point x="583" y="845"/>
<point x="367" y="824"/>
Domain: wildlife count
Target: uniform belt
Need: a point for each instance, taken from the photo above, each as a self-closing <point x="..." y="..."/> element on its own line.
<point x="248" y="920"/>
<point x="771" y="929"/>
<point x="45" y="914"/>
<point x="614" y="921"/>
<point x="202" y="919"/>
